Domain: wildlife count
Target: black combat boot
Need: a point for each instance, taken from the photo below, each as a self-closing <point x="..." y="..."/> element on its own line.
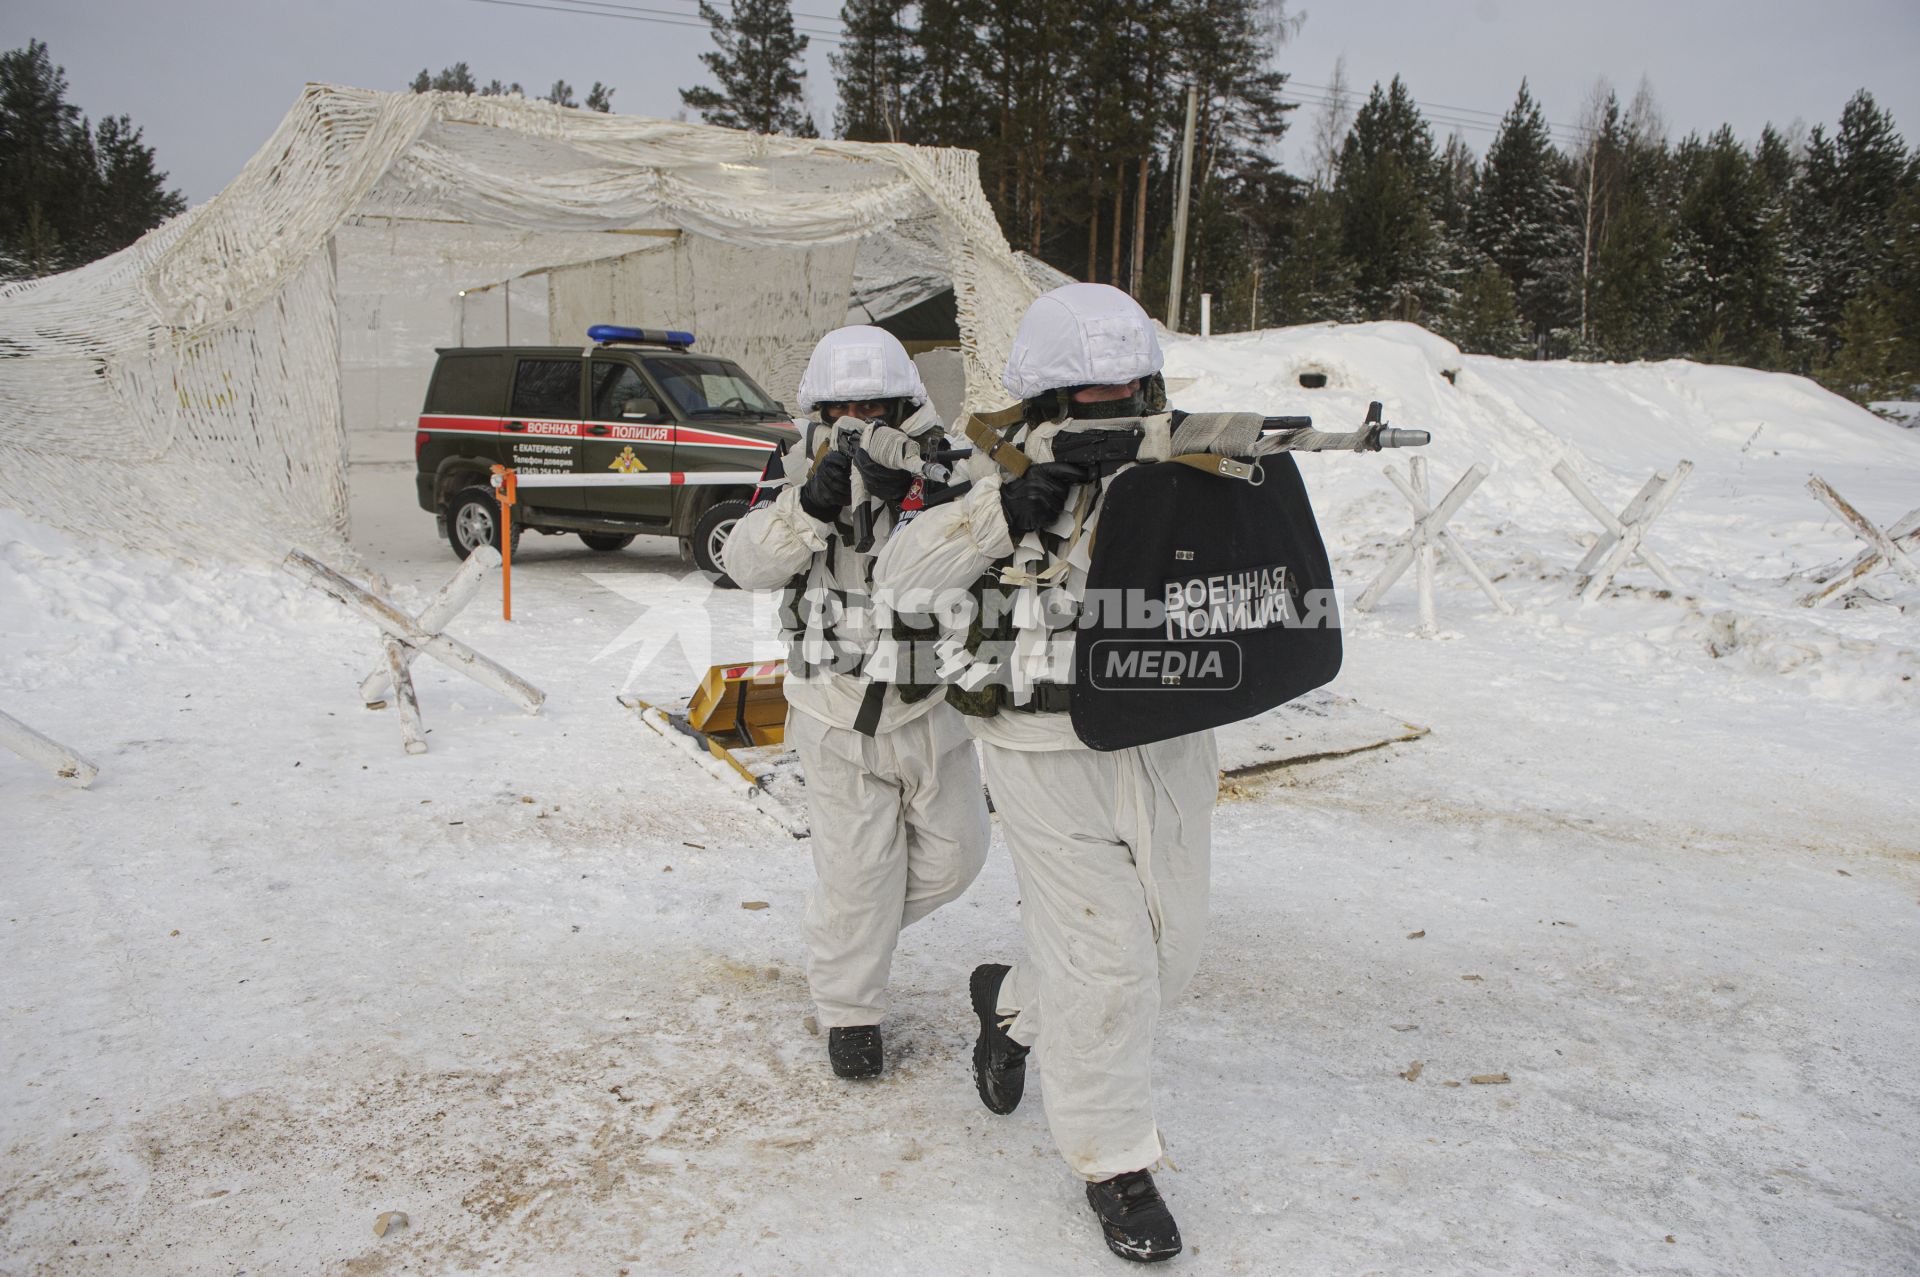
<point x="999" y="1063"/>
<point x="855" y="1051"/>
<point x="1136" y="1221"/>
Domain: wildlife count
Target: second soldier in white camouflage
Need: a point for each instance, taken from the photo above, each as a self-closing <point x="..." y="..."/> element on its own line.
<point x="894" y="797"/>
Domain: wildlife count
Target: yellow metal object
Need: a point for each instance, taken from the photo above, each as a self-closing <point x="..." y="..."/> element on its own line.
<point x="747" y="702"/>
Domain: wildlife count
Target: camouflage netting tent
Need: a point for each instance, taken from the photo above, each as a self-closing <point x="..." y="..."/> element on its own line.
<point x="199" y="393"/>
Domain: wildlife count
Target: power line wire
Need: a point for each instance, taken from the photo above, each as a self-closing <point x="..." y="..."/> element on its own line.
<point x="1438" y="110"/>
<point x="632" y="13"/>
<point x="1477" y="126"/>
<point x="728" y="4"/>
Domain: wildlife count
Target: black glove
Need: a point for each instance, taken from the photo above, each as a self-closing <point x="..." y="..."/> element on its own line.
<point x="829" y="488"/>
<point x="882" y="482"/>
<point x="1036" y="498"/>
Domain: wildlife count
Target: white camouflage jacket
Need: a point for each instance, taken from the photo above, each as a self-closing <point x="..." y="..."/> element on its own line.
<point x="834" y="655"/>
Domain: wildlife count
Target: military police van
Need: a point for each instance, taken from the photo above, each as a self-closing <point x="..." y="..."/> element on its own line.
<point x="637" y="402"/>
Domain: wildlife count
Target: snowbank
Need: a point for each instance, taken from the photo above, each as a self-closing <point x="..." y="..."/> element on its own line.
<point x="1743" y="533"/>
<point x="76" y="611"/>
<point x="1753" y="436"/>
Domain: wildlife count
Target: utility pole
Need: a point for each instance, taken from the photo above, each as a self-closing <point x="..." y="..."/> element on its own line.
<point x="1180" y="213"/>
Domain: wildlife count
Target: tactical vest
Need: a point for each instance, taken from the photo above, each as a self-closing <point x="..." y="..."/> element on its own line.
<point x="916" y="640"/>
<point x="1214" y="561"/>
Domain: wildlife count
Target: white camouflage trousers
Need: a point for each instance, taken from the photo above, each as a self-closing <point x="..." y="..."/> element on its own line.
<point x="899" y="828"/>
<point x="1112" y="852"/>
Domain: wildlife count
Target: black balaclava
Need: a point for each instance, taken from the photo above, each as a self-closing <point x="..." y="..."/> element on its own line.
<point x="1149" y="399"/>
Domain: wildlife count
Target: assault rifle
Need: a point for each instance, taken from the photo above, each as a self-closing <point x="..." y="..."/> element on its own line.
<point x="892" y="448"/>
<point x="1103" y="450"/>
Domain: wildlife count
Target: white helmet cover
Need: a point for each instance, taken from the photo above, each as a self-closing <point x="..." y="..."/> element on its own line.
<point x="1081" y="335"/>
<point x="859" y="364"/>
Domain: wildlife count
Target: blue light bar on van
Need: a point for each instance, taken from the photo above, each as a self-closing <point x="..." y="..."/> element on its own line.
<point x="614" y="334"/>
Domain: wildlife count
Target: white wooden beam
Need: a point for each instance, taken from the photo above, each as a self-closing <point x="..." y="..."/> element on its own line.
<point x="413" y="735"/>
<point x="49" y="753"/>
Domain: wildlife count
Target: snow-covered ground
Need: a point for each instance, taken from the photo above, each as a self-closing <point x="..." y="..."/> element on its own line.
<point x="271" y="977"/>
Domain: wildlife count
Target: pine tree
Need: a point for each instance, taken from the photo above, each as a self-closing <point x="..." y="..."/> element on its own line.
<point x="1388" y="175"/>
<point x="756" y="59"/>
<point x="1840" y="214"/>
<point x="947" y="103"/>
<point x="1484" y="319"/>
<point x="1631" y="307"/>
<point x="1737" y="298"/>
<point x="132" y="196"/>
<point x="1868" y="364"/>
<point x="454" y="79"/>
<point x="1901" y="282"/>
<point x="561" y="94"/>
<point x="600" y="98"/>
<point x="1596" y="175"/>
<point x="70" y="194"/>
<point x="1310" y="279"/>
<point x="1823" y="287"/>
<point x="1635" y="263"/>
<point x="1878" y="355"/>
<point x="43" y="144"/>
<point x="1225" y="49"/>
<point x="1773" y="169"/>
<point x="875" y="67"/>
<point x="1524" y="220"/>
<point x="1872" y="165"/>
<point x="1457" y="181"/>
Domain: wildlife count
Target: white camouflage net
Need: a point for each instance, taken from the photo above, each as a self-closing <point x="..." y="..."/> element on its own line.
<point x="186" y="393"/>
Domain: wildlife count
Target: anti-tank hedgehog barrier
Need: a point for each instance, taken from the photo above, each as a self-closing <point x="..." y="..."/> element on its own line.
<point x="403" y="635"/>
<point x="1883" y="547"/>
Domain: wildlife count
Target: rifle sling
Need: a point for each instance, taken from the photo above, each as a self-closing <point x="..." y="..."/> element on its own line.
<point x="983" y="431"/>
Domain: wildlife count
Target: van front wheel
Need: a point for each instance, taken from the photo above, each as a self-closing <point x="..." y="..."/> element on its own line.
<point x="711" y="533"/>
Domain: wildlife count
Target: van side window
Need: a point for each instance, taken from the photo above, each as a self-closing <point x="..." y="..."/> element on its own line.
<point x="613" y="385"/>
<point x="473" y="385"/>
<point x="547" y="388"/>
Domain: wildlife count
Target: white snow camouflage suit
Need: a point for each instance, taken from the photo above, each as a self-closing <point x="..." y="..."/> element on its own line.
<point x="899" y="820"/>
<point x="1111" y="849"/>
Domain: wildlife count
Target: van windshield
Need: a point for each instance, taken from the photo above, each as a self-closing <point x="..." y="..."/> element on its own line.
<point x="712" y="388"/>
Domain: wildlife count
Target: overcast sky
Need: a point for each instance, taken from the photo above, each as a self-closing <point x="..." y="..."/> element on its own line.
<point x="209" y="79"/>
